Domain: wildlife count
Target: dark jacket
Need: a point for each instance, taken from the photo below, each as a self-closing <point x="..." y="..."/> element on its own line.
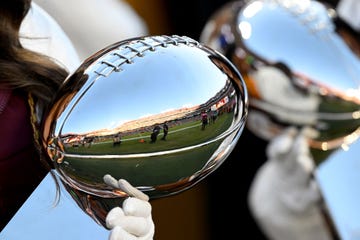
<point x="20" y="167"/>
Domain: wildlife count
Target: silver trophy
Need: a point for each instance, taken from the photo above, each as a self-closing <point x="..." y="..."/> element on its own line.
<point x="298" y="50"/>
<point x="134" y="111"/>
<point x="301" y="65"/>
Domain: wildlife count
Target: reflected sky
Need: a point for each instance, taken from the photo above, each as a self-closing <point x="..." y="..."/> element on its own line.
<point x="309" y="48"/>
<point x="144" y="88"/>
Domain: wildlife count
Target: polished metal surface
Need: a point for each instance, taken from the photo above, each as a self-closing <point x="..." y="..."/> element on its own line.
<point x="109" y="116"/>
<point x="300" y="63"/>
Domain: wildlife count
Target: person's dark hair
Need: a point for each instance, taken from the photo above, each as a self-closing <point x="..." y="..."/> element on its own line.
<point x="23" y="70"/>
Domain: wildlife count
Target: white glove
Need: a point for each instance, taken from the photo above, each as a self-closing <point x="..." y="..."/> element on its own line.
<point x="134" y="220"/>
<point x="284" y="198"/>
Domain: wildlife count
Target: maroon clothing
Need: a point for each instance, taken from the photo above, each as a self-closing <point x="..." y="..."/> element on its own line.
<point x="20" y="167"/>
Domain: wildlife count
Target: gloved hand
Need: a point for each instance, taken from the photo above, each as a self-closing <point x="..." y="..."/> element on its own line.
<point x="348" y="10"/>
<point x="134" y="220"/>
<point x="284" y="197"/>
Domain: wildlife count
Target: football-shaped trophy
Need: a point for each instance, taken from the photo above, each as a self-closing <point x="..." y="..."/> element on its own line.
<point x="161" y="112"/>
<point x="300" y="62"/>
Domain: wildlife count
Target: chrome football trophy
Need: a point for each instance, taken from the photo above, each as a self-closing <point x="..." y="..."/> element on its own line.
<point x="111" y="117"/>
<point x="300" y="51"/>
<point x="301" y="65"/>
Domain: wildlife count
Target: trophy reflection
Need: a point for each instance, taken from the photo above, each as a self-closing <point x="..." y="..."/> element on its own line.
<point x="133" y="111"/>
<point x="300" y="63"/>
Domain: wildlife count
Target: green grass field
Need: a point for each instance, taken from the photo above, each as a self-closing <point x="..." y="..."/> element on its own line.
<point x="149" y="170"/>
